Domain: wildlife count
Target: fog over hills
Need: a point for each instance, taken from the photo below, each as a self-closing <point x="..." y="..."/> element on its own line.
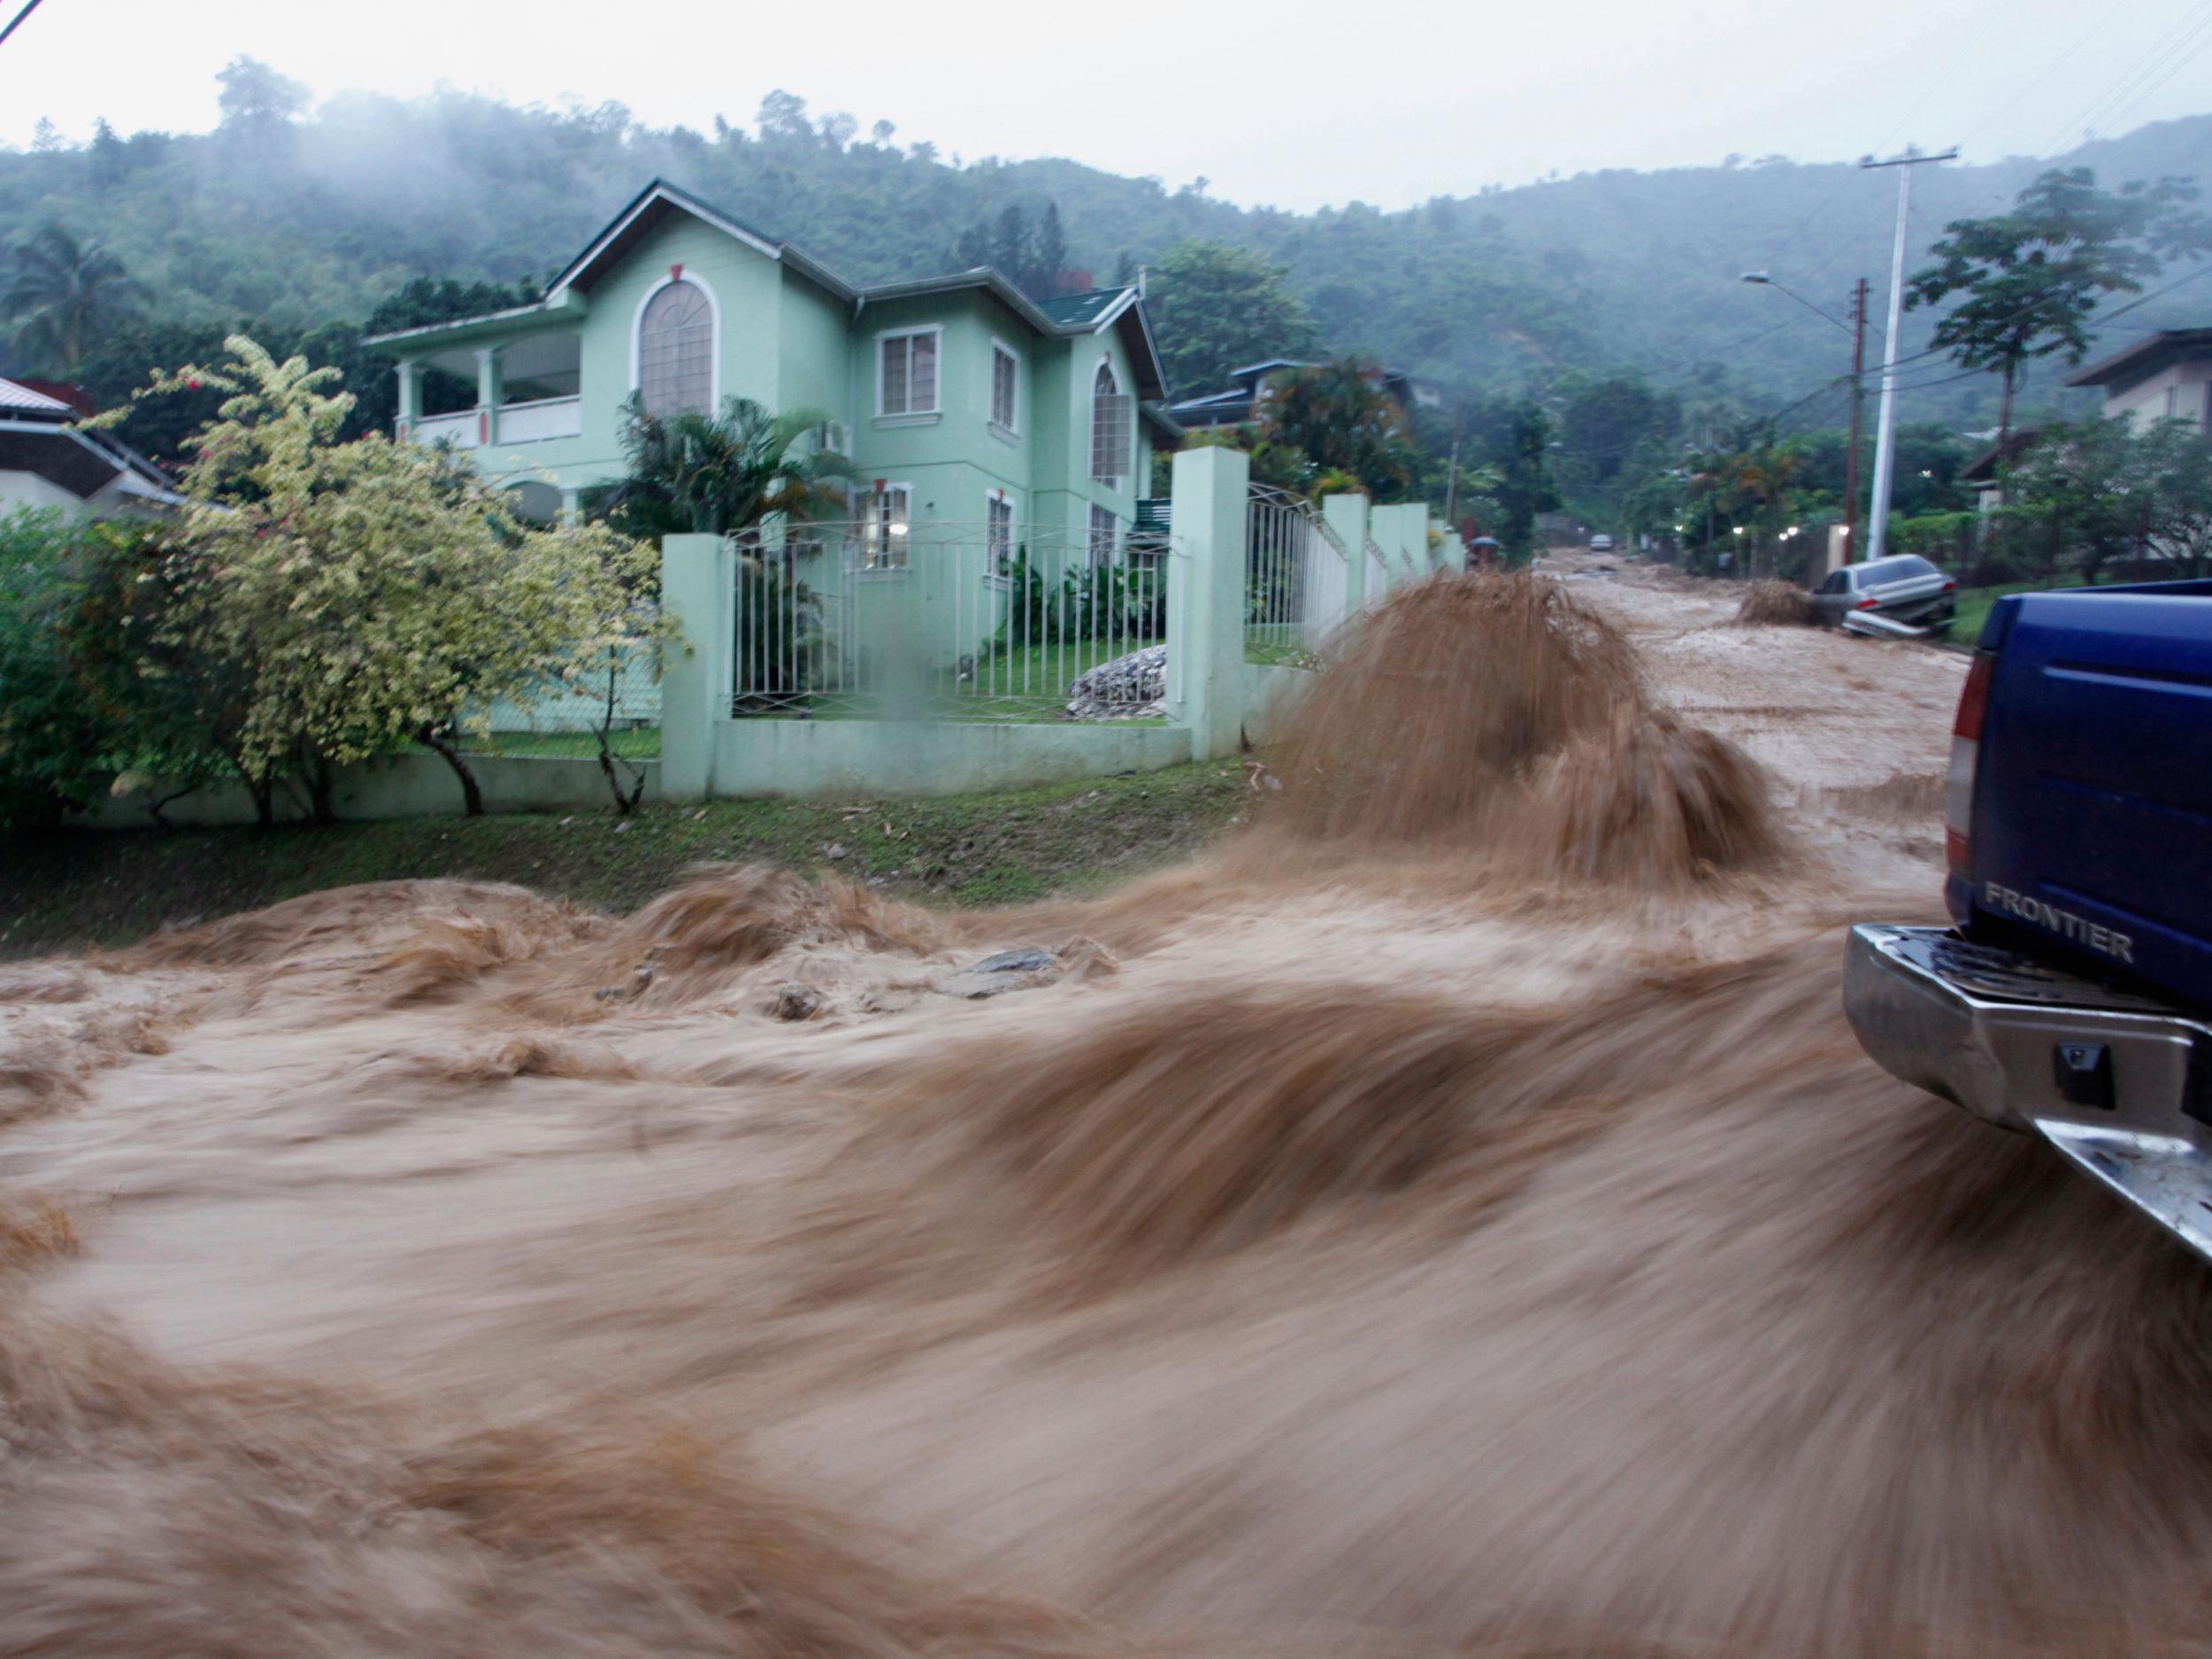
<point x="319" y="218"/>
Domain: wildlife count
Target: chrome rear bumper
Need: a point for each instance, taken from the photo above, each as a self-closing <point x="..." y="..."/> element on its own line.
<point x="2119" y="1083"/>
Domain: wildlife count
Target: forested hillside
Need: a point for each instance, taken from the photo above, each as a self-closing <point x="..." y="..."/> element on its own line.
<point x="300" y="218"/>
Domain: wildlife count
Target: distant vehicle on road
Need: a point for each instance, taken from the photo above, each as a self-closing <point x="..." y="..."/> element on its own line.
<point x="1601" y="544"/>
<point x="1900" y="594"/>
<point x="2072" y="998"/>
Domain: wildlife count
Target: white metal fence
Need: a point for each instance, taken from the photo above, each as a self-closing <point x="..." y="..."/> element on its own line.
<point x="996" y="620"/>
<point x="1297" y="578"/>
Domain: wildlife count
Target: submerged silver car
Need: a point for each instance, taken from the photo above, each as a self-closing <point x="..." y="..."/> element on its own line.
<point x="1903" y="593"/>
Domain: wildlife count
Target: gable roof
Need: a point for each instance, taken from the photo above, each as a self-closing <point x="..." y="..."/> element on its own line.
<point x="20" y="400"/>
<point x="1064" y="316"/>
<point x="655" y="203"/>
<point x="2145" y="358"/>
<point x="1087" y="309"/>
<point x="36" y="436"/>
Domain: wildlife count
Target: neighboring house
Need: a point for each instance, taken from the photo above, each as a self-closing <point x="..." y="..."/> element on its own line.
<point x="959" y="400"/>
<point x="1250" y="388"/>
<point x="45" y="461"/>
<point x="2164" y="376"/>
<point x="1981" y="473"/>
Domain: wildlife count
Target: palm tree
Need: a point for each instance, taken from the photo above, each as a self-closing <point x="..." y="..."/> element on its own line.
<point x="65" y="295"/>
<point x="721" y="475"/>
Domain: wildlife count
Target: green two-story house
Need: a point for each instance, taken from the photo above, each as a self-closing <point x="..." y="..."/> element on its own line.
<point x="959" y="400"/>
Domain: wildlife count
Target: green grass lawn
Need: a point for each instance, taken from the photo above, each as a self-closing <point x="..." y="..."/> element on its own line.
<point x="1974" y="605"/>
<point x="1003" y="848"/>
<point x="640" y="743"/>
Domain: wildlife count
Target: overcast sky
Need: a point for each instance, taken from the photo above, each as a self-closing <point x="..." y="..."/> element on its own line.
<point x="1296" y="102"/>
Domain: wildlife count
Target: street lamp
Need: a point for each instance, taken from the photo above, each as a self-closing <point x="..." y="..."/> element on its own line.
<point x="1857" y="329"/>
<point x="1762" y="279"/>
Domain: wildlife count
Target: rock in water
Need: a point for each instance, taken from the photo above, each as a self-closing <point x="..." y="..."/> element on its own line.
<point x="1130" y="687"/>
<point x="1009" y="970"/>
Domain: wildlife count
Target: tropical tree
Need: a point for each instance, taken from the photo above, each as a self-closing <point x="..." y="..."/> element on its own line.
<point x="64" y="296"/>
<point x="2099" y="492"/>
<point x="341" y="600"/>
<point x="84" y="699"/>
<point x="1513" y="437"/>
<point x="2033" y="278"/>
<point x="721" y="475"/>
<point x="1216" y="307"/>
<point x="1343" y="419"/>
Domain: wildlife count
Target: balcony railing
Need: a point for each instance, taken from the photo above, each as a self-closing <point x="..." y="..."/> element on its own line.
<point x="458" y="429"/>
<point x="546" y="418"/>
<point x="532" y="422"/>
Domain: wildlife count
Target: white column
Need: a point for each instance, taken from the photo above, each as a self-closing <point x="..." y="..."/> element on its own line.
<point x="488" y="395"/>
<point x="409" y="373"/>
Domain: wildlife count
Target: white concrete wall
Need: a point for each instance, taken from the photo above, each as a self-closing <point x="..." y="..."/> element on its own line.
<point x="28" y="489"/>
<point x="2177" y="392"/>
<point x="415" y="785"/>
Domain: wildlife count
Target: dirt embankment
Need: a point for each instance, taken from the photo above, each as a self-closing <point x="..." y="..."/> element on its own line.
<point x="1450" y="1217"/>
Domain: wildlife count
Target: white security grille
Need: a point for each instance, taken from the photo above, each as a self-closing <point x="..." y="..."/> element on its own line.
<point x="1005" y="382"/>
<point x="676" y="352"/>
<point x="1113" y="428"/>
<point x="885" y="527"/>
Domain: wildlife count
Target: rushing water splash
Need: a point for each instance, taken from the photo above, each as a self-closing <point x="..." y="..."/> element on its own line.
<point x="1463" y="1223"/>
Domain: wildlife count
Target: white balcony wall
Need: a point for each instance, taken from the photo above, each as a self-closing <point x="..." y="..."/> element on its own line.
<point x="547" y="417"/>
<point x="459" y="429"/>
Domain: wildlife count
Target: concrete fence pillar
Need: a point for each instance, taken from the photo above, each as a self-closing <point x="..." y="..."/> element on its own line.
<point x="1346" y="519"/>
<point x="1402" y="534"/>
<point x="1206" y="597"/>
<point x="699" y="595"/>
<point x="1454" y="554"/>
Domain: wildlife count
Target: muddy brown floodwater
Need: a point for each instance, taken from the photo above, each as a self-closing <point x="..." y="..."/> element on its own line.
<point x="1452" y="1216"/>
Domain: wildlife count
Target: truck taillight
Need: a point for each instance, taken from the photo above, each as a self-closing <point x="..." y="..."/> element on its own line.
<point x="1966" y="745"/>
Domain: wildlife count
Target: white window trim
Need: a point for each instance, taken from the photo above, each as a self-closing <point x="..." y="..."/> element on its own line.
<point x="883" y="338"/>
<point x="714" y="347"/>
<point x="1011" y="428"/>
<point x="867" y="492"/>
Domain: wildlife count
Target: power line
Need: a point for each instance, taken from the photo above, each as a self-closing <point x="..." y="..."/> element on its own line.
<point x="2066" y="56"/>
<point x="16" y="22"/>
<point x="2117" y="116"/>
<point x="2158" y="51"/>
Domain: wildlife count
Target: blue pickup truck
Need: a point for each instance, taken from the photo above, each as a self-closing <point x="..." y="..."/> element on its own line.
<point x="2072" y="998"/>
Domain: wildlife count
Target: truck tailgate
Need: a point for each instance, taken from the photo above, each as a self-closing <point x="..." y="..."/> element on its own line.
<point x="2093" y="810"/>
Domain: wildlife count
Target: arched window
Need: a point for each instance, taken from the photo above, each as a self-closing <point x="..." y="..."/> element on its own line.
<point x="675" y="351"/>
<point x="1110" y="429"/>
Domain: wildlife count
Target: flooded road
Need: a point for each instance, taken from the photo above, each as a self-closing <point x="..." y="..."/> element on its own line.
<point x="1452" y="1216"/>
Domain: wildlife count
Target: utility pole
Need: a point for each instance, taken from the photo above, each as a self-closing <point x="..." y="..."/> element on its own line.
<point x="1451" y="490"/>
<point x="1885" y="425"/>
<point x="1858" y="402"/>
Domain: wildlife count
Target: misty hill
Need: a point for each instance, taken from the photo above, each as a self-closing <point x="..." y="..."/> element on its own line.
<point x="310" y="218"/>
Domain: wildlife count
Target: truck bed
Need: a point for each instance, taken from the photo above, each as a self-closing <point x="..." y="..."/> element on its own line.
<point x="2092" y="803"/>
